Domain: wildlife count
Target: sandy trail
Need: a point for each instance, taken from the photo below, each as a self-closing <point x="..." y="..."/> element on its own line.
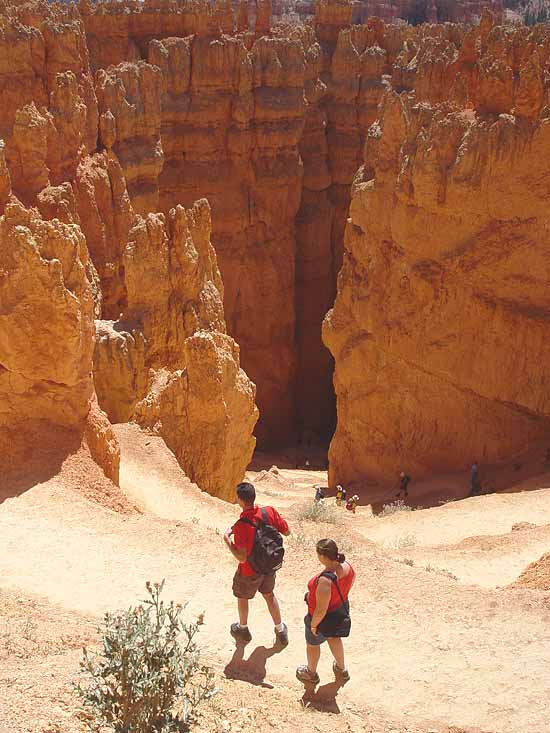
<point x="424" y="647"/>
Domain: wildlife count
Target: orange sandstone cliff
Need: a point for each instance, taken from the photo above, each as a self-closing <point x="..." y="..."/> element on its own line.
<point x="79" y="240"/>
<point x="208" y="175"/>
<point x="441" y="327"/>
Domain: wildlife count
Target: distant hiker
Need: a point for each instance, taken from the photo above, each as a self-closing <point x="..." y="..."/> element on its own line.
<point x="351" y="504"/>
<point x="319" y="494"/>
<point x="339" y="495"/>
<point x="344" y="495"/>
<point x="475" y="486"/>
<point x="307" y="463"/>
<point x="328" y="616"/>
<point x="404" y="482"/>
<point x="258" y="546"/>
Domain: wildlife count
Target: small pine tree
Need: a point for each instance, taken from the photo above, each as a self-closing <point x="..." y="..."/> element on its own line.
<point x="145" y="680"/>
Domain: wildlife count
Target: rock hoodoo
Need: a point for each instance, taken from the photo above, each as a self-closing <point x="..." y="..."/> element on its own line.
<point x="167" y="362"/>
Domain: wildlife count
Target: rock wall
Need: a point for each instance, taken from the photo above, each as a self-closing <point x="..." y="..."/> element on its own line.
<point x="118" y="117"/>
<point x="79" y="175"/>
<point x="412" y="11"/>
<point x="46" y="342"/>
<point x="167" y="362"/>
<point x="232" y="118"/>
<point x="441" y="327"/>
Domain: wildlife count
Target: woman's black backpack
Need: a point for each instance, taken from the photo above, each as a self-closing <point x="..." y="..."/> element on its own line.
<point x="336" y="623"/>
<point x="268" y="551"/>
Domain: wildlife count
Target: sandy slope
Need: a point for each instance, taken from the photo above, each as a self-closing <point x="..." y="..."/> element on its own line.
<point x="426" y="650"/>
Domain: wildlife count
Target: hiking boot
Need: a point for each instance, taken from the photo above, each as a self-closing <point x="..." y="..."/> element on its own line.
<point x="304" y="675"/>
<point x="241" y="633"/>
<point x="341" y="674"/>
<point x="281" y="637"/>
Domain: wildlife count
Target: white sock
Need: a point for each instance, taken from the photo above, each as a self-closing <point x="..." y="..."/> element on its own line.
<point x="242" y="626"/>
<point x="280" y="627"/>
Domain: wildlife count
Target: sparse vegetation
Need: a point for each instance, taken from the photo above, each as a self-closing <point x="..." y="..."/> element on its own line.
<point x="145" y="679"/>
<point x="401" y="542"/>
<point x="394" y="507"/>
<point x="300" y="540"/>
<point x="405" y="561"/>
<point x="441" y="571"/>
<point x="318" y="512"/>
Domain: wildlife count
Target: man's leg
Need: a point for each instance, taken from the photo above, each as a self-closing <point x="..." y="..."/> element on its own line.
<point x="242" y="604"/>
<point x="244" y="588"/>
<point x="267" y="588"/>
<point x="273" y="606"/>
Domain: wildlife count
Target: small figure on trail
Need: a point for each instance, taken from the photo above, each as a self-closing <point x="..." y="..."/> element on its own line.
<point x="351" y="504"/>
<point x="307" y="462"/>
<point x="328" y="616"/>
<point x="339" y="495"/>
<point x="344" y="495"/>
<point x="258" y="546"/>
<point x="475" y="486"/>
<point x="404" y="481"/>
<point x="319" y="494"/>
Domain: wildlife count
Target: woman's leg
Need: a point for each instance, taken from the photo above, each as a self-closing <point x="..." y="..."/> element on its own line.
<point x="313" y="656"/>
<point x="337" y="648"/>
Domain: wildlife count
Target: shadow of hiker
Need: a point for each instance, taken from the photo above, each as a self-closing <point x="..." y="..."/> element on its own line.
<point x="324" y="698"/>
<point x="253" y="669"/>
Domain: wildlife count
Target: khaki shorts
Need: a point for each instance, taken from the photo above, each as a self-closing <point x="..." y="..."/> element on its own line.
<point x="245" y="586"/>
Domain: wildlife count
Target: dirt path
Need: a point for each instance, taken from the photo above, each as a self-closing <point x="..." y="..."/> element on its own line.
<point x="424" y="647"/>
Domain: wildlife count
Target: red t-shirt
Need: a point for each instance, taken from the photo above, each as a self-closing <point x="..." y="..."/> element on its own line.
<point x="243" y="533"/>
<point x="345" y="583"/>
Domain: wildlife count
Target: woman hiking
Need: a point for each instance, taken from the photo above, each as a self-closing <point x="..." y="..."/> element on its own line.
<point x="328" y="616"/>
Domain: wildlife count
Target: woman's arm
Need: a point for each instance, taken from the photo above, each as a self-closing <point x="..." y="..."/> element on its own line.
<point x="322" y="600"/>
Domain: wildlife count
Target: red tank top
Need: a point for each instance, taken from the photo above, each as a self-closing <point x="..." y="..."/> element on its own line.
<point x="344" y="583"/>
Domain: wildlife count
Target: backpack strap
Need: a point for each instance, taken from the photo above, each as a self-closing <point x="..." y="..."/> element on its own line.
<point x="333" y="579"/>
<point x="264" y="519"/>
<point x="246" y="520"/>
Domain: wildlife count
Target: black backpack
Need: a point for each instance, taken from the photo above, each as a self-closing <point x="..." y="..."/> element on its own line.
<point x="268" y="551"/>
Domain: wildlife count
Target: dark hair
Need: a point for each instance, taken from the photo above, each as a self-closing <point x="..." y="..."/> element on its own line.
<point x="246" y="492"/>
<point x="329" y="549"/>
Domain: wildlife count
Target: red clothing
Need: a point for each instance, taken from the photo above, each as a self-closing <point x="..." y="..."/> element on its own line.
<point x="243" y="533"/>
<point x="344" y="583"/>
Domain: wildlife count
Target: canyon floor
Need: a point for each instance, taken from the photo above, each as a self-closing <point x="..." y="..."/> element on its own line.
<point x="440" y="642"/>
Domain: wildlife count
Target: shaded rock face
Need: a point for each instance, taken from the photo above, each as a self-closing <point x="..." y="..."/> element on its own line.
<point x="231" y="122"/>
<point x="440" y="329"/>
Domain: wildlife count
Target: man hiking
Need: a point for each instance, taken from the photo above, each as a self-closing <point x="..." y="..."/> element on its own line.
<point x="475" y="486"/>
<point x="404" y="482"/>
<point x="250" y="547"/>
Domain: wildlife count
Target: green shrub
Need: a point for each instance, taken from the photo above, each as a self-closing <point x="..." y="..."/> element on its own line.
<point x="318" y="512"/>
<point x="144" y="679"/>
